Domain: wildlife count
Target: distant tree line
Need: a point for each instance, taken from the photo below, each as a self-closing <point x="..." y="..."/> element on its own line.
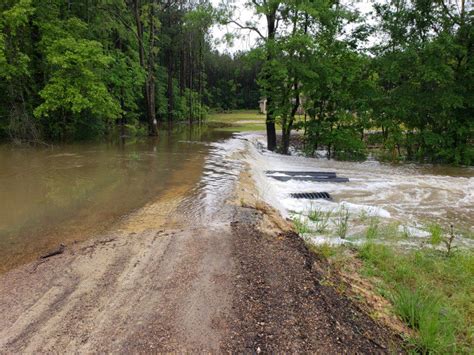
<point x="409" y="78"/>
<point x="77" y="69"/>
<point x="232" y="80"/>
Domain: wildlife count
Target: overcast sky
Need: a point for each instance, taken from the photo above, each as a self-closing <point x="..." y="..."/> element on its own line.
<point x="248" y="38"/>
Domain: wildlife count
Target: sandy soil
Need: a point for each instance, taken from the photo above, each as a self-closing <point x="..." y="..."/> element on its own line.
<point x="241" y="282"/>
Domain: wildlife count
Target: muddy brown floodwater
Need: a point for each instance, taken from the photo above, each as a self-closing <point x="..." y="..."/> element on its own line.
<point x="71" y="192"/>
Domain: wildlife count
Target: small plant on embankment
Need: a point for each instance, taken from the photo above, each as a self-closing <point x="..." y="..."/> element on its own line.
<point x="373" y="229"/>
<point x="439" y="237"/>
<point x="301" y="225"/>
<point x="320" y="219"/>
<point x="342" y="222"/>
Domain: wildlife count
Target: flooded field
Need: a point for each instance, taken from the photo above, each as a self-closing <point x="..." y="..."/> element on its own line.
<point x="71" y="192"/>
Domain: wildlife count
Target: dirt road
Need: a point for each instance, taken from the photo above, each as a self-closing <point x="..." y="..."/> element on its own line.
<point x="229" y="283"/>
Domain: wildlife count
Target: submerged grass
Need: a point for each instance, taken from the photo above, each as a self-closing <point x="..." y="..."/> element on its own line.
<point x="320" y="219"/>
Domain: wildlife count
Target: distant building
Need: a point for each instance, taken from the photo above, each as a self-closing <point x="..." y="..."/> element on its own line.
<point x="262" y="103"/>
<point x="263" y="106"/>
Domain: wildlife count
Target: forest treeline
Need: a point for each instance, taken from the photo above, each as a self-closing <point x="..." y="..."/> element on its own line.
<point x="402" y="77"/>
<point x="407" y="76"/>
<point x="78" y="69"/>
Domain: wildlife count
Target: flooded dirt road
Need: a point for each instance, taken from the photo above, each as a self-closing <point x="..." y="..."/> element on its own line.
<point x="70" y="193"/>
<point x="209" y="271"/>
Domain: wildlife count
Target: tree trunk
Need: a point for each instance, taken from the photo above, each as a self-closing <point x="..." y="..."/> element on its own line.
<point x="149" y="66"/>
<point x="270" y="120"/>
<point x="288" y="126"/>
<point x="151" y="104"/>
<point x="170" y="92"/>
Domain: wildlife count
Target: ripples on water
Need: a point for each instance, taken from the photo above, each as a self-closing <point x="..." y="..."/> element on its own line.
<point x="221" y="170"/>
<point x="70" y="192"/>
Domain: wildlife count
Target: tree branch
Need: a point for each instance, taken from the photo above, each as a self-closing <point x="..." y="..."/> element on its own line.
<point x="252" y="28"/>
<point x="446" y="9"/>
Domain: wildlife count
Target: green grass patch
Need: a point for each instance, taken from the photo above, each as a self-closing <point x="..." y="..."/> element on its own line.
<point x="320" y="219"/>
<point x="301" y="225"/>
<point x="430" y="290"/>
<point x="235" y="116"/>
<point x="342" y="222"/>
<point x="373" y="229"/>
<point x="432" y="293"/>
<point x="237" y="121"/>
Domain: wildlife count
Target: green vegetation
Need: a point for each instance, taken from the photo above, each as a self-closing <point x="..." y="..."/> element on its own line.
<point x="320" y="219"/>
<point x="76" y="70"/>
<point x="373" y="228"/>
<point x="231" y="81"/>
<point x="301" y="225"/>
<point x="430" y="290"/>
<point x="237" y="121"/>
<point x="412" y="86"/>
<point x="342" y="222"/>
<point x="432" y="293"/>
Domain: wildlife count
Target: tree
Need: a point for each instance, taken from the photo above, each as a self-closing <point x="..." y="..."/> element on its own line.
<point x="15" y="68"/>
<point x="270" y="10"/>
<point x="425" y="77"/>
<point x="75" y="86"/>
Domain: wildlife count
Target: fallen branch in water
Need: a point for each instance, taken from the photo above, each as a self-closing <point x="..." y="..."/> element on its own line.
<point x="43" y="258"/>
<point x="57" y="251"/>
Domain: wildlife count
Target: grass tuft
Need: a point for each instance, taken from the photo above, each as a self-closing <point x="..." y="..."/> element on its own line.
<point x="436" y="234"/>
<point x="301" y="225"/>
<point x="342" y="222"/>
<point x="373" y="228"/>
<point x="320" y="219"/>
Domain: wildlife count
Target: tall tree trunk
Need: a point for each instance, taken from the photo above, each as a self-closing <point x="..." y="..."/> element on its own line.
<point x="200" y="78"/>
<point x="152" y="122"/>
<point x="170" y="92"/>
<point x="170" y="68"/>
<point x="270" y="120"/>
<point x="149" y="65"/>
<point x="288" y="126"/>
<point x="191" y="82"/>
<point x="182" y="68"/>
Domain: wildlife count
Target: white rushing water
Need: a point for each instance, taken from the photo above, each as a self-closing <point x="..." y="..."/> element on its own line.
<point x="414" y="196"/>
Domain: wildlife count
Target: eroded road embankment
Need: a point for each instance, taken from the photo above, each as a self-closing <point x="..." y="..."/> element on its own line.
<point x="286" y="302"/>
<point x="233" y="280"/>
